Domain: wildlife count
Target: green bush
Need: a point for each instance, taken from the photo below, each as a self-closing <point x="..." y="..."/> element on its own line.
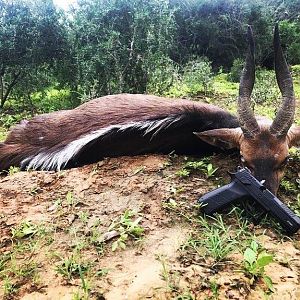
<point x="161" y="76"/>
<point x="3" y="134"/>
<point x="198" y="76"/>
<point x="178" y="90"/>
<point x="290" y="36"/>
<point x="8" y="120"/>
<point x="265" y="88"/>
<point x="52" y="99"/>
<point x="296" y="70"/>
<point x="236" y="70"/>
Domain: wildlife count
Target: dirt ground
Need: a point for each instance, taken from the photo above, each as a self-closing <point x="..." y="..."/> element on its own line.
<point x="48" y="219"/>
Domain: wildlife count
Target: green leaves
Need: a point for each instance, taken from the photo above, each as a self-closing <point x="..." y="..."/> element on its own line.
<point x="268" y="281"/>
<point x="123" y="46"/>
<point x="72" y="267"/>
<point x="126" y="227"/>
<point x="203" y="165"/>
<point x="24" y="229"/>
<point x="255" y="261"/>
<point x="210" y="170"/>
<point x="108" y="47"/>
<point x="249" y="256"/>
<point x="263" y="260"/>
<point x="32" y="39"/>
<point x="198" y="76"/>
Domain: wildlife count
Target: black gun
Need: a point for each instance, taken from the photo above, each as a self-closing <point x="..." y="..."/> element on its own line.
<point x="244" y="185"/>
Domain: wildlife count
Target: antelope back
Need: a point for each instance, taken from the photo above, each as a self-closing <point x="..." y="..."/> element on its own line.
<point x="111" y="126"/>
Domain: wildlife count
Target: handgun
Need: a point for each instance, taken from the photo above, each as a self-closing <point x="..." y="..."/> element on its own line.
<point x="243" y="185"/>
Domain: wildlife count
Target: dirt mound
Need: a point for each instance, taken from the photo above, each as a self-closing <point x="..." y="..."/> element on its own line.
<point x="128" y="228"/>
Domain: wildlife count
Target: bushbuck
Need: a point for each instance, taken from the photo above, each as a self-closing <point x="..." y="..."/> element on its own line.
<point x="128" y="124"/>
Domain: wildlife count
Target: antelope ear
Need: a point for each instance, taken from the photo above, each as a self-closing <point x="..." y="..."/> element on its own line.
<point x="294" y="136"/>
<point x="224" y="138"/>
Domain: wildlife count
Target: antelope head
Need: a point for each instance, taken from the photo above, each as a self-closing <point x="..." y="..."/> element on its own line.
<point x="263" y="144"/>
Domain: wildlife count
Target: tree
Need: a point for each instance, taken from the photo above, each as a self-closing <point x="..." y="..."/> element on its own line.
<point x="113" y="46"/>
<point x="119" y="42"/>
<point x="216" y="29"/>
<point x="31" y="40"/>
<point x="290" y="36"/>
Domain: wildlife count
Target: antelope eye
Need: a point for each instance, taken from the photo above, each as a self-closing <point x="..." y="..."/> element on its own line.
<point x="287" y="159"/>
<point x="246" y="164"/>
<point x="284" y="163"/>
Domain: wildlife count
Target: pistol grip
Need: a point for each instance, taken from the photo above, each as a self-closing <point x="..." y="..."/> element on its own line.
<point x="222" y="197"/>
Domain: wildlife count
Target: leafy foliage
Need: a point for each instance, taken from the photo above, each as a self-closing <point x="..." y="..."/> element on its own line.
<point x="72" y="267"/>
<point x="24" y="229"/>
<point x="163" y="77"/>
<point x="198" y="76"/>
<point x="51" y="99"/>
<point x="102" y="47"/>
<point x="203" y="165"/>
<point x="265" y="88"/>
<point x="126" y="227"/>
<point x="255" y="261"/>
<point x="236" y="70"/>
<point x="290" y="35"/>
<point x="120" y="45"/>
<point x="32" y="39"/>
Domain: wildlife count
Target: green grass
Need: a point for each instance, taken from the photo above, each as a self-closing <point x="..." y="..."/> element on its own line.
<point x="204" y="166"/>
<point x="226" y="92"/>
<point x="19" y="265"/>
<point x="230" y="89"/>
<point x="48" y="100"/>
<point x="72" y="266"/>
<point x="225" y="87"/>
<point x="128" y="226"/>
<point x="215" y="239"/>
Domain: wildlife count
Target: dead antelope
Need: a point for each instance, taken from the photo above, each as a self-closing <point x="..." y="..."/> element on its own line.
<point x="135" y="124"/>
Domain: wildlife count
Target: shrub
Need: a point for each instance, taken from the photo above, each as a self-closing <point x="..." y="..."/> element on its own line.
<point x="198" y="76"/>
<point x="8" y="120"/>
<point x="161" y="76"/>
<point x="265" y="88"/>
<point x="296" y="70"/>
<point x="52" y="99"/>
<point x="236" y="70"/>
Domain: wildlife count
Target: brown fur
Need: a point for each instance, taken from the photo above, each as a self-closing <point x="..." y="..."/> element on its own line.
<point x="51" y="132"/>
<point x="67" y="125"/>
<point x="264" y="154"/>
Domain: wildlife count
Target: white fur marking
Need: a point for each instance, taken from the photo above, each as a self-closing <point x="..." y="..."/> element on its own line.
<point x="58" y="159"/>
